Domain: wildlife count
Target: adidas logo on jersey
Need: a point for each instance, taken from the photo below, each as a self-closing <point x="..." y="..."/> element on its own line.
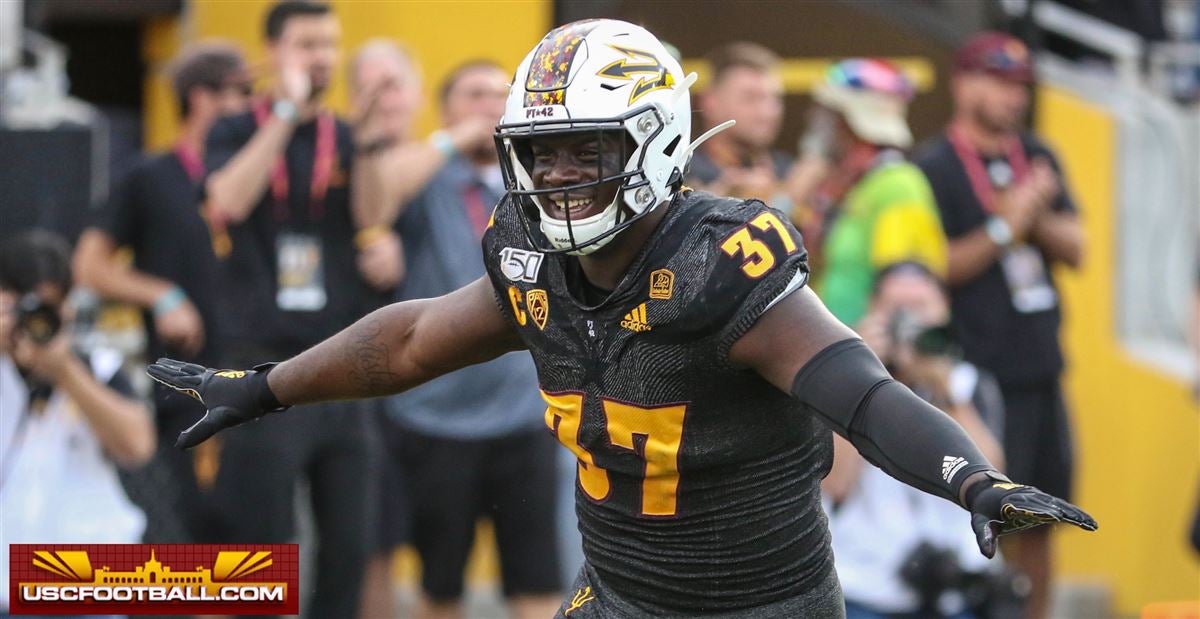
<point x="950" y="466"/>
<point x="635" y="320"/>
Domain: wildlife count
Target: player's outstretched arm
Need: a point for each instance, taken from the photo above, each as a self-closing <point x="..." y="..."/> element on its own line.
<point x="799" y="347"/>
<point x="390" y="350"/>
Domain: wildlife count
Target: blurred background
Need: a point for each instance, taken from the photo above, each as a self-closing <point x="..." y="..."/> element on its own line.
<point x="84" y="92"/>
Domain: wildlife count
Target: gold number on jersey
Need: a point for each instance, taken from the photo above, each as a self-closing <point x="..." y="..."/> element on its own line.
<point x="759" y="259"/>
<point x="768" y="221"/>
<point x="564" y="411"/>
<point x="653" y="433"/>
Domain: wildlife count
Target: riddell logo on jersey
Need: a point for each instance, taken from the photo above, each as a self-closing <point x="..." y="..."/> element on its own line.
<point x="160" y="579"/>
<point x="635" y="320"/>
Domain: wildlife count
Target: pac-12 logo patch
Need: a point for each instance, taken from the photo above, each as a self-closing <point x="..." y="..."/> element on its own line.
<point x="539" y="307"/>
<point x="519" y="265"/>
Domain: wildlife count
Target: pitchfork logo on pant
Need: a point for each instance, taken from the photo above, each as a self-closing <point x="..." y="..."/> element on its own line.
<point x="168" y="578"/>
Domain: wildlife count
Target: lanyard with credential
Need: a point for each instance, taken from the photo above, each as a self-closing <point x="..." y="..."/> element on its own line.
<point x="193" y="166"/>
<point x="323" y="160"/>
<point x="970" y="158"/>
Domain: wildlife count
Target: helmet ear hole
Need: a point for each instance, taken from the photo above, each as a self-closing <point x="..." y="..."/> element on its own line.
<point x="670" y="149"/>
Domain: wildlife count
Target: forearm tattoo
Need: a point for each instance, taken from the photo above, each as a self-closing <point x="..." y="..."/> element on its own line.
<point x="369" y="359"/>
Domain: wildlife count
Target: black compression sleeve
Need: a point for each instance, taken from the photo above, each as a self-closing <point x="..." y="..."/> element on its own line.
<point x="889" y="425"/>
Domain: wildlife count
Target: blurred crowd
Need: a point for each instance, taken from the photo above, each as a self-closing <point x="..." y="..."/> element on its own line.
<point x="273" y="223"/>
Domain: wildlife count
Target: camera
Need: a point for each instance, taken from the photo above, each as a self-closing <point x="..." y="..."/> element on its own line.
<point x="932" y="572"/>
<point x="906" y="330"/>
<point x="37" y="318"/>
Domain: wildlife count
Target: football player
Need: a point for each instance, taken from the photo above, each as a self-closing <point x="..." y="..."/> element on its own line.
<point x="681" y="357"/>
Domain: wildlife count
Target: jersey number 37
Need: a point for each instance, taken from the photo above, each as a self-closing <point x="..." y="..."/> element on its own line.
<point x="759" y="258"/>
<point x="652" y="433"/>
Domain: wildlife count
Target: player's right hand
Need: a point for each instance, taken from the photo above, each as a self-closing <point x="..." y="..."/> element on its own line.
<point x="231" y="397"/>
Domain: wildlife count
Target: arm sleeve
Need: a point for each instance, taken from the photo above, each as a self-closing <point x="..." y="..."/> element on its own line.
<point x="892" y="428"/>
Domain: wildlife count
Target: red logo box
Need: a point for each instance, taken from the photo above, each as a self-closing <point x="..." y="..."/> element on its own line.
<point x="160" y="579"/>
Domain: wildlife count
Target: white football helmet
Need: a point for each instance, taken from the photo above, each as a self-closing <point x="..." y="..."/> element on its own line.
<point x="598" y="76"/>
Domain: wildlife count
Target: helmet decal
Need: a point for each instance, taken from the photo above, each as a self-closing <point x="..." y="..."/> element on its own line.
<point x="550" y="71"/>
<point x="639" y="63"/>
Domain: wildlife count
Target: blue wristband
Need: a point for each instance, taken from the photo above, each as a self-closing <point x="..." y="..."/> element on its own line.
<point x="170" y="300"/>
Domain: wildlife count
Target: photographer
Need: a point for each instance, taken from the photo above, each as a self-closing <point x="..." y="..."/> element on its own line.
<point x="66" y="423"/>
<point x="900" y="553"/>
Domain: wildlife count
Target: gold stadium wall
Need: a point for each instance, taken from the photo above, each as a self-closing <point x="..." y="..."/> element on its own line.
<point x="440" y="34"/>
<point x="1137" y="432"/>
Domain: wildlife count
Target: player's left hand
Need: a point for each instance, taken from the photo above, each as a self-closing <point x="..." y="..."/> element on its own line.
<point x="1002" y="507"/>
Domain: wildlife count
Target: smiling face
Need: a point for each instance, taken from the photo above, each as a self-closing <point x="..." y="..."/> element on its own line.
<point x="575" y="159"/>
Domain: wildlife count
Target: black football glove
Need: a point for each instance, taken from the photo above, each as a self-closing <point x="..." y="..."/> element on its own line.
<point x="1000" y="507"/>
<point x="232" y="397"/>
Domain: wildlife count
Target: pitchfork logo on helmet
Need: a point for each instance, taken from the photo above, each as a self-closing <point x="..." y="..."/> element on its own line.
<point x="638" y="63"/>
<point x="600" y="77"/>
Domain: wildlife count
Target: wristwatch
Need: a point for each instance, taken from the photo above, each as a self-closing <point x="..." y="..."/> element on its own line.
<point x="284" y="109"/>
<point x="999" y="231"/>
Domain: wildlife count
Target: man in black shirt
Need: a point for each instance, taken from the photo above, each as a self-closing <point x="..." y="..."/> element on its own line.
<point x="681" y="357"/>
<point x="155" y="211"/>
<point x="1008" y="218"/>
<point x="280" y="196"/>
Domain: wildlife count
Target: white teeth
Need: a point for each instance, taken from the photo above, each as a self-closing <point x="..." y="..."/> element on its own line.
<point x="572" y="205"/>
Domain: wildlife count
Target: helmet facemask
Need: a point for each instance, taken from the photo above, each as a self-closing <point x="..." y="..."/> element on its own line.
<point x="632" y="197"/>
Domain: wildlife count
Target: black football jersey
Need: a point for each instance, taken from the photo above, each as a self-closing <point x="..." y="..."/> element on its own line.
<point x="698" y="481"/>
